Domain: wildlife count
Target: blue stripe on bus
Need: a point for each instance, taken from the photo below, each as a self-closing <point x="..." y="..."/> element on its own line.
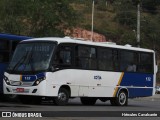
<point x="30" y="78"/>
<point x="140" y="92"/>
<point x="138" y="80"/>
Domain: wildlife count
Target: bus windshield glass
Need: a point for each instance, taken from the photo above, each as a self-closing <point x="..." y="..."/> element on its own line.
<point x="31" y="57"/>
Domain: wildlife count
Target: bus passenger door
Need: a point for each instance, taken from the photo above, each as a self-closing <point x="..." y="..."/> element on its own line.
<point x="85" y="63"/>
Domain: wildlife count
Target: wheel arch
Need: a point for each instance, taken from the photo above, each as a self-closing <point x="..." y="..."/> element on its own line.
<point x="67" y="88"/>
<point x="123" y="89"/>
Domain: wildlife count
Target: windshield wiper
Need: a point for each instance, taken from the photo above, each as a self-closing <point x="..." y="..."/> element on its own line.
<point x="29" y="59"/>
<point x="20" y="61"/>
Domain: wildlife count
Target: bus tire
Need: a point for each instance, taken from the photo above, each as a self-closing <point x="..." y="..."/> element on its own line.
<point x="88" y="100"/>
<point x="62" y="98"/>
<point x="11" y="98"/>
<point x="8" y="98"/>
<point x="121" y="99"/>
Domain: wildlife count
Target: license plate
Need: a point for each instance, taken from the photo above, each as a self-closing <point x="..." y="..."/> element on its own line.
<point x="20" y="89"/>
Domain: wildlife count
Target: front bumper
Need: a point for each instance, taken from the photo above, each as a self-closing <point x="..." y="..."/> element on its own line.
<point x="39" y="90"/>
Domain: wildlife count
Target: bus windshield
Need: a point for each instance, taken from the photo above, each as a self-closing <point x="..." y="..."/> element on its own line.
<point x="31" y="57"/>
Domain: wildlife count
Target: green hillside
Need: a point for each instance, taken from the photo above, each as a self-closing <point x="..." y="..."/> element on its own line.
<point x="116" y="19"/>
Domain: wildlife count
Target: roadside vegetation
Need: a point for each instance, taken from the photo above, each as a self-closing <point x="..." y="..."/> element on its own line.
<point x="116" y="19"/>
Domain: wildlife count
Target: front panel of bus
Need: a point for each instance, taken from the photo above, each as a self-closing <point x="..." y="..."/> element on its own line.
<point x="26" y="73"/>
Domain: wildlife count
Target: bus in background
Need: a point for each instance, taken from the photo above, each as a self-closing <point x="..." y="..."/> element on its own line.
<point x="8" y="44"/>
<point x="63" y="68"/>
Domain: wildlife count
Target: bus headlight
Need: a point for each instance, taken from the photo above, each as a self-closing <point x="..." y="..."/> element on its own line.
<point x="38" y="81"/>
<point x="6" y="80"/>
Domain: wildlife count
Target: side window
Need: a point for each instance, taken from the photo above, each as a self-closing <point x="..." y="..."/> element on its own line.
<point x="116" y="60"/>
<point x="105" y="59"/>
<point x="146" y="63"/>
<point x="86" y="57"/>
<point x="128" y="61"/>
<point x="64" y="56"/>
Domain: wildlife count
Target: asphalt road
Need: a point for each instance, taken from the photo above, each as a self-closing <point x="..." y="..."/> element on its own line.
<point x="139" y="105"/>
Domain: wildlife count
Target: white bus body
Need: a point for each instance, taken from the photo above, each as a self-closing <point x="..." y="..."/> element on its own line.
<point x="62" y="81"/>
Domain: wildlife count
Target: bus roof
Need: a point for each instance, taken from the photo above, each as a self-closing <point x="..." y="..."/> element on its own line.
<point x="13" y="37"/>
<point x="78" y="41"/>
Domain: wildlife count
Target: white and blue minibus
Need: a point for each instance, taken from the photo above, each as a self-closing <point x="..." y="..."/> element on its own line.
<point x="64" y="68"/>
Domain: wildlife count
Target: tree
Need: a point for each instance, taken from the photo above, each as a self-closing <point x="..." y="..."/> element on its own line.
<point x="148" y="5"/>
<point x="36" y="17"/>
<point x="135" y="2"/>
<point x="126" y="13"/>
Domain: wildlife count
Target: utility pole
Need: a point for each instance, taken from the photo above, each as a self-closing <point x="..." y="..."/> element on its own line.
<point x="138" y="24"/>
<point x="92" y="20"/>
<point x="106" y="3"/>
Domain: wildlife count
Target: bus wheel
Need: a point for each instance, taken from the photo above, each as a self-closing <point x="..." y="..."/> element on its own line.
<point x="63" y="97"/>
<point x="9" y="97"/>
<point x="121" y="99"/>
<point x="88" y="100"/>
